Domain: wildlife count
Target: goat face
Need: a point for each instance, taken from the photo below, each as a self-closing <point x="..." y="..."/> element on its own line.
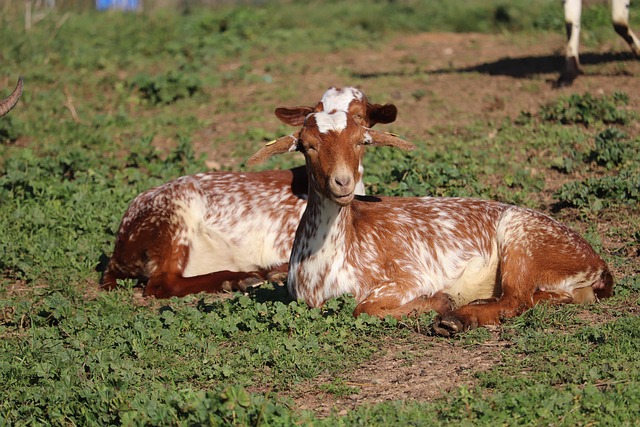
<point x="333" y="146"/>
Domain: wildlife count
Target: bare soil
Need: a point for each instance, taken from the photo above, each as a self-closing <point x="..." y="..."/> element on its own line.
<point x="437" y="80"/>
<point x="422" y="370"/>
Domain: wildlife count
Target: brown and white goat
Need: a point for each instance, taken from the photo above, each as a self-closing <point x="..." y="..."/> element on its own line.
<point x="216" y="231"/>
<point x="10" y="101"/>
<point x="572" y="12"/>
<point x="401" y="256"/>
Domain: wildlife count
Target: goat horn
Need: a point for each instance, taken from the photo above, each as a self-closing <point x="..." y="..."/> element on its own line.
<point x="380" y="138"/>
<point x="8" y="103"/>
<point x="271" y="148"/>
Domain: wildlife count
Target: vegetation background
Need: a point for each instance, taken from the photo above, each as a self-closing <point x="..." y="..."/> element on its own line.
<point x="115" y="103"/>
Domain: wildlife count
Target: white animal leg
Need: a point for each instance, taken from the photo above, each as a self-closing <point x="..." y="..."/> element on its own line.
<point x="572" y="12"/>
<point x="620" y="19"/>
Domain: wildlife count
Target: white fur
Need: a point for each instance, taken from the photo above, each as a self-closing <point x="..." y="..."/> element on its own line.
<point x="336" y="122"/>
<point x="619" y="17"/>
<point x="222" y="229"/>
<point x="339" y="99"/>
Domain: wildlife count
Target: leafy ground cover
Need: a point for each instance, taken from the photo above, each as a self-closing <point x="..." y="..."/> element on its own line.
<point x="117" y="103"/>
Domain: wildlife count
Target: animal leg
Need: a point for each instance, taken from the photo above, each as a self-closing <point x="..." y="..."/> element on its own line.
<point x="620" y="19"/>
<point x="483" y="301"/>
<point x="572" y="12"/>
<point x="167" y="285"/>
<point x="382" y="306"/>
<point x="471" y="316"/>
<point x="278" y="274"/>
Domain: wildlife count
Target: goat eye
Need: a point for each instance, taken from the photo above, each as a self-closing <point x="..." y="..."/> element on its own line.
<point x="311" y="148"/>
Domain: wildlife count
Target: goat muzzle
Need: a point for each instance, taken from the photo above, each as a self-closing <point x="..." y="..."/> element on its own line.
<point x="341" y="188"/>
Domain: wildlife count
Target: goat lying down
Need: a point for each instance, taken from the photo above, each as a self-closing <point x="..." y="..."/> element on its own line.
<point x="217" y="231"/>
<point x="473" y="261"/>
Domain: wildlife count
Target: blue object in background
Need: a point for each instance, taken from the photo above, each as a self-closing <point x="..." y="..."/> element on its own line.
<point x="117" y="4"/>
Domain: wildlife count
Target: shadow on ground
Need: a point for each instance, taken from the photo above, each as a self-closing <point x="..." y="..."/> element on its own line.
<point x="519" y="67"/>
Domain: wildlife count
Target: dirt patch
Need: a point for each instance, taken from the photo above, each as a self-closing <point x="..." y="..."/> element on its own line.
<point x="437" y="81"/>
<point x="421" y="369"/>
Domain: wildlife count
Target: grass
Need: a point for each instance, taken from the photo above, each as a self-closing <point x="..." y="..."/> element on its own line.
<point x="104" y="90"/>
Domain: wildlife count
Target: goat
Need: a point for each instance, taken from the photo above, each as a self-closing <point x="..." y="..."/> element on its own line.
<point x="9" y="102"/>
<point x="572" y="12"/>
<point x="401" y="256"/>
<point x="218" y="231"/>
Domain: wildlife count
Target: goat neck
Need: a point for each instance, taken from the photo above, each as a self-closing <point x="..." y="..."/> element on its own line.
<point x="323" y="238"/>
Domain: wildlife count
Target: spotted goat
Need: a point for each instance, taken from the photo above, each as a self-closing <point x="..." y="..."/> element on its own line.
<point x="10" y="101"/>
<point x="218" y="231"/>
<point x="473" y="261"/>
<point x="572" y="12"/>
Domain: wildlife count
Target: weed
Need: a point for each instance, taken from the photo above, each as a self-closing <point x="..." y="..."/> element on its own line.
<point x="10" y="129"/>
<point x="339" y="388"/>
<point x="418" y="175"/>
<point x="168" y="88"/>
<point x="587" y="109"/>
<point x="612" y="148"/>
<point x="598" y="193"/>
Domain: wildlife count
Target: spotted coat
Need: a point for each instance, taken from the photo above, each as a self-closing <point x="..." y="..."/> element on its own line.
<point x="473" y="261"/>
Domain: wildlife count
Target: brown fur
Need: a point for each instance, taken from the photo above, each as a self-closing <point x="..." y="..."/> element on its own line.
<point x="385" y="251"/>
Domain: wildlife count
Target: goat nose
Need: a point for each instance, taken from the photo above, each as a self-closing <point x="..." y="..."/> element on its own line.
<point x="342" y="180"/>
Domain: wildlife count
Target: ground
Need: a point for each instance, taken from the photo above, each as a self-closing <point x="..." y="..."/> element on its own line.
<point x="437" y="81"/>
<point x="422" y="369"/>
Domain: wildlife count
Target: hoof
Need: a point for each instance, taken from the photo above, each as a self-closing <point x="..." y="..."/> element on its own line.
<point x="569" y="74"/>
<point x="249" y="283"/>
<point x="447" y="326"/>
<point x="277" y="276"/>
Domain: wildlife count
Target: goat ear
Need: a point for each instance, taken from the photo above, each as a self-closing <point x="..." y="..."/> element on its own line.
<point x="382" y="113"/>
<point x="293" y="116"/>
<point x="385" y="139"/>
<point x="277" y="146"/>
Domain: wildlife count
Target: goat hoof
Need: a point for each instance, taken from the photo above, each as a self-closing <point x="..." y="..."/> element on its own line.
<point x="569" y="74"/>
<point x="447" y="326"/>
<point x="249" y="283"/>
<point x="277" y="276"/>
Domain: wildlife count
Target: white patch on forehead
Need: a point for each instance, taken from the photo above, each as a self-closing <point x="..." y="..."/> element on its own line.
<point x="335" y="121"/>
<point x="339" y="99"/>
